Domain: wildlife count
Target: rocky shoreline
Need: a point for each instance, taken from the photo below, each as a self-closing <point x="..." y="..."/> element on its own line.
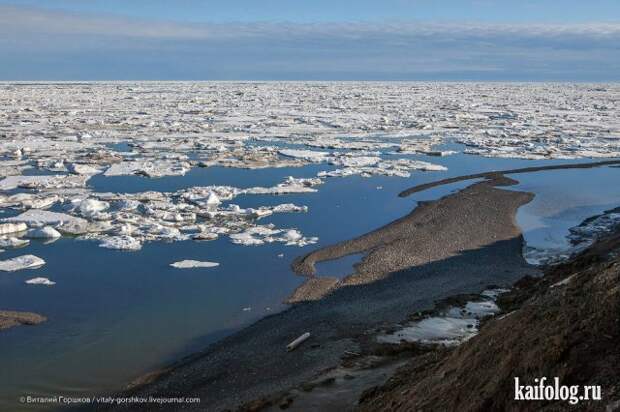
<point x="565" y="324"/>
<point x="462" y="243"/>
<point x="438" y="259"/>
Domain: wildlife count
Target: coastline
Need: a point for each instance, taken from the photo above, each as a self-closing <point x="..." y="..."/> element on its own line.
<point x="485" y="246"/>
<point x="561" y="326"/>
<point x="454" y="247"/>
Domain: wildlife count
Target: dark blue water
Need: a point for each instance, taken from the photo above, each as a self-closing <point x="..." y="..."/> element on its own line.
<point x="114" y="315"/>
<point x="198" y="176"/>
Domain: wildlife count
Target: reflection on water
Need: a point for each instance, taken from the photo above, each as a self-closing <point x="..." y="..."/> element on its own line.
<point x="564" y="199"/>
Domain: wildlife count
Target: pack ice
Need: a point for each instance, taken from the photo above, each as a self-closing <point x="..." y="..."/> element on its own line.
<point x="55" y="139"/>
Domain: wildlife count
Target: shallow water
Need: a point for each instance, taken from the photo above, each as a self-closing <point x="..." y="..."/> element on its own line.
<point x="564" y="199"/>
<point x="339" y="268"/>
<point x="114" y="315"/>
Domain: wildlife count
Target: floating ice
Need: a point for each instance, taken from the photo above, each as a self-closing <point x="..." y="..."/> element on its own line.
<point x="52" y="143"/>
<point x="121" y="243"/>
<point x="91" y="207"/>
<point x="21" y="262"/>
<point x="61" y="221"/>
<point x="46" y="232"/>
<point x="310" y="155"/>
<point x="190" y="264"/>
<point x="40" y="281"/>
<point x="150" y="168"/>
<point x="6" y="228"/>
<point x="213" y="199"/>
<point x="83" y="169"/>
<point x="259" y="235"/>
<point x="13" y="242"/>
<point x="43" y="182"/>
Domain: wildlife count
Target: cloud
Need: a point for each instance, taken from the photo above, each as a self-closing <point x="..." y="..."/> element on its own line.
<point x="52" y="44"/>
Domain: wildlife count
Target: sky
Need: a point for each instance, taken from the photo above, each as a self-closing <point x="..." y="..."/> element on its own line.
<point x="494" y="40"/>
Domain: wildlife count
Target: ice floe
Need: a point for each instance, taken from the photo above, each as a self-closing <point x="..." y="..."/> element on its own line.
<point x="12" y="242"/>
<point x="123" y="242"/>
<point x="40" y="281"/>
<point x="46" y="232"/>
<point x="190" y="264"/>
<point x="43" y="182"/>
<point x="21" y="262"/>
<point x="61" y="221"/>
<point x="57" y="139"/>
<point x="7" y="228"/>
<point x="259" y="235"/>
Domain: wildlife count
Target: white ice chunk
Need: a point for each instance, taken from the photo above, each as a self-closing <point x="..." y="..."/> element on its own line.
<point x="21" y="262"/>
<point x="213" y="199"/>
<point x="309" y="155"/>
<point x="46" y="232"/>
<point x="61" y="221"/>
<point x="40" y="281"/>
<point x="121" y="243"/>
<point x="90" y="207"/>
<point x="83" y="169"/>
<point x="6" y="228"/>
<point x="13" y="242"/>
<point x="357" y="161"/>
<point x="190" y="264"/>
<point x="43" y="182"/>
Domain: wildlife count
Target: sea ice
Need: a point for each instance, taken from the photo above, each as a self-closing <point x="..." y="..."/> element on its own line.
<point x="12" y="242"/>
<point x="190" y="264"/>
<point x="43" y="182"/>
<point x="52" y="144"/>
<point x="123" y="242"/>
<point x="6" y="228"/>
<point x="40" y="281"/>
<point x="46" y="232"/>
<point x="60" y="221"/>
<point x="21" y="262"/>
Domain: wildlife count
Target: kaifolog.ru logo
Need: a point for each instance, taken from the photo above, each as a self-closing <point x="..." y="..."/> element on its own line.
<point x="556" y="392"/>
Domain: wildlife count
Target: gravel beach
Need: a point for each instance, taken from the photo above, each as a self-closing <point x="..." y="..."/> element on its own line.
<point x="459" y="244"/>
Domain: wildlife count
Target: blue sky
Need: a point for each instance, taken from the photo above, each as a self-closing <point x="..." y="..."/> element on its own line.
<point x="531" y="40"/>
